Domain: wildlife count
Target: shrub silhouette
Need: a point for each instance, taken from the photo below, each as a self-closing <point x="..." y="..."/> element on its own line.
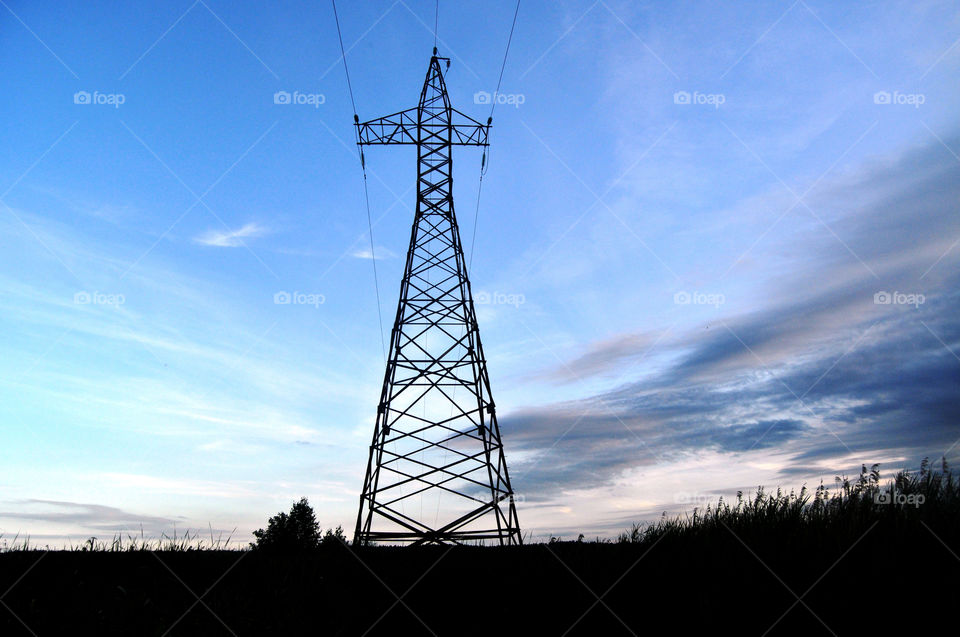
<point x="334" y="535"/>
<point x="296" y="531"/>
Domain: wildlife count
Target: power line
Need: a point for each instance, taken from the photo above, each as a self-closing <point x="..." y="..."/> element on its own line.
<point x="373" y="259"/>
<point x="366" y="190"/>
<point x="505" y="53"/>
<point x="493" y="105"/>
<point x="343" y="55"/>
<point x="476" y="217"/>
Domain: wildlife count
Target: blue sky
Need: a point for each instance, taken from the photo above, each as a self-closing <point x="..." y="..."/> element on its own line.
<point x="681" y="235"/>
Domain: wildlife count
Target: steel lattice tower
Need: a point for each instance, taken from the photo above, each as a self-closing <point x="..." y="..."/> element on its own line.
<point x="436" y="436"/>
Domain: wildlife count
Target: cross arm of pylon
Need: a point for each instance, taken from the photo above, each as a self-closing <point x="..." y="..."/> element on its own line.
<point x="404" y="127"/>
<point x="397" y="128"/>
<point x="468" y="131"/>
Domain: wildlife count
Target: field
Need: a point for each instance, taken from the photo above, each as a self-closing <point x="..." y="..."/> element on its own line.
<point x="863" y="558"/>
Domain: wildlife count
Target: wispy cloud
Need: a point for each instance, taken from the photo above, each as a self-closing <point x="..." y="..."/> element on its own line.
<point x="231" y="238"/>
<point x="366" y="253"/>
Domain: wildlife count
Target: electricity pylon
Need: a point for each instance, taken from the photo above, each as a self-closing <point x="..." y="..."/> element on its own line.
<point x="436" y="437"/>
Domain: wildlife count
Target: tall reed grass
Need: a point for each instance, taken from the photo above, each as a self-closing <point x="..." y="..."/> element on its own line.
<point x="930" y="496"/>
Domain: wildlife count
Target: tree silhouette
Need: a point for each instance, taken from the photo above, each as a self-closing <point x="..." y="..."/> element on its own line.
<point x="296" y="531"/>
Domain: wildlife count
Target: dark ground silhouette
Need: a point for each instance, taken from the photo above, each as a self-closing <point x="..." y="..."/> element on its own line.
<point x="859" y="561"/>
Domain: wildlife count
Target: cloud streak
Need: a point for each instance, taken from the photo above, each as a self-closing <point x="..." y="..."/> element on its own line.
<point x="819" y="373"/>
<point x="94" y="517"/>
<point x="230" y="238"/>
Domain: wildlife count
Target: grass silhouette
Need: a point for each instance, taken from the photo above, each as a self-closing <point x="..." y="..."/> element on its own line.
<point x="927" y="496"/>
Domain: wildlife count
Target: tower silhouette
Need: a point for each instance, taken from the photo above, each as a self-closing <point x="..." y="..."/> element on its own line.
<point x="436" y="438"/>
